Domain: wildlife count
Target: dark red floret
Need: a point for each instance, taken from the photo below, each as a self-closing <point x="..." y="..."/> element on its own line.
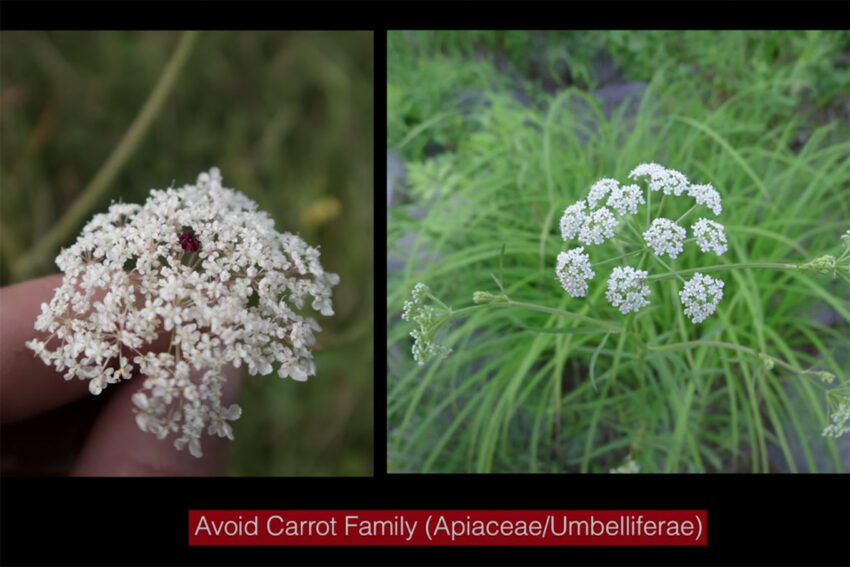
<point x="189" y="241"/>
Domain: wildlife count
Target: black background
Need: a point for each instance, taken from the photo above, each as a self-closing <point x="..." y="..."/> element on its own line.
<point x="752" y="519"/>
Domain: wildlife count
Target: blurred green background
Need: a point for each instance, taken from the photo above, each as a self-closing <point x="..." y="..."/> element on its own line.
<point x="287" y="117"/>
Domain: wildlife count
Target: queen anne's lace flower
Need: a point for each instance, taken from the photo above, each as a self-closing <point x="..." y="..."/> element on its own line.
<point x="665" y="237"/>
<point x="573" y="270"/>
<point x="668" y="181"/>
<point x="710" y="236"/>
<point x="700" y="296"/>
<point x="598" y="226"/>
<point x="627" y="289"/>
<point x="626" y="199"/>
<point x="599" y="189"/>
<point x="573" y="219"/>
<point x="706" y="195"/>
<point x="202" y="264"/>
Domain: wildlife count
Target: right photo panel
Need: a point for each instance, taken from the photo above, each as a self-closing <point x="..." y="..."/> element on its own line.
<point x="618" y="252"/>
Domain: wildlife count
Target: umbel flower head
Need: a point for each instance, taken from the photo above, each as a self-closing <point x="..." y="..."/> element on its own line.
<point x="665" y="237"/>
<point x="592" y="223"/>
<point x="573" y="270"/>
<point x="627" y="289"/>
<point x="429" y="320"/>
<point x="200" y="265"/>
<point x="700" y="296"/>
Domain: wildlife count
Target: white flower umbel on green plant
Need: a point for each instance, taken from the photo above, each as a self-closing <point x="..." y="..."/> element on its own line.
<point x="700" y="296"/>
<point x="599" y="189"/>
<point x="573" y="219"/>
<point x="627" y="289"/>
<point x="200" y="265"/>
<point x="668" y="181"/>
<point x="598" y="226"/>
<point x="665" y="237"/>
<point x="429" y="320"/>
<point x="710" y="236"/>
<point x="839" y="413"/>
<point x="626" y="199"/>
<point x="706" y="195"/>
<point x="573" y="271"/>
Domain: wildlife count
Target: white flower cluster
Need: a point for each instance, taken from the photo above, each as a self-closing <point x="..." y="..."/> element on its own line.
<point x="627" y="289"/>
<point x="573" y="219"/>
<point x="668" y="181"/>
<point x="428" y="320"/>
<point x="626" y="199"/>
<point x="840" y="421"/>
<point x="601" y="188"/>
<point x="665" y="237"/>
<point x="597" y="227"/>
<point x="573" y="271"/>
<point x="592" y="223"/>
<point x="839" y="406"/>
<point x="706" y="195"/>
<point x="710" y="236"/>
<point x="700" y="296"/>
<point x="200" y="265"/>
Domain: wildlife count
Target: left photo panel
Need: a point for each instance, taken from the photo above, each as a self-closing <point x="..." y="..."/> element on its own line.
<point x="187" y="253"/>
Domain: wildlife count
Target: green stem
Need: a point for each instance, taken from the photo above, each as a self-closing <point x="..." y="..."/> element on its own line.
<point x="669" y="269"/>
<point x="726" y="267"/>
<point x="27" y="264"/>
<point x="689" y="211"/>
<point x="617" y="258"/>
<point x="729" y="346"/>
<point x="467" y="309"/>
<point x="495" y="302"/>
<point x="638" y="235"/>
<point x="560" y="312"/>
<point x="443" y="305"/>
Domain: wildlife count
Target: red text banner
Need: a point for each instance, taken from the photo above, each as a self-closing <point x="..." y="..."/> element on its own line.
<point x="447" y="527"/>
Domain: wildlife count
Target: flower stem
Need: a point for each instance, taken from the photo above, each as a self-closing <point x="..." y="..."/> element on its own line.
<point x="730" y="346"/>
<point x="689" y="211"/>
<point x="669" y="269"/>
<point x="30" y="262"/>
<point x="561" y="313"/>
<point x="504" y="301"/>
<point x="726" y="267"/>
<point x="617" y="258"/>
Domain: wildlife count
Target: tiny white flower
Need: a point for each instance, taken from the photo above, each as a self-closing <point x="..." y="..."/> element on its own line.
<point x="706" y="195"/>
<point x="598" y="226"/>
<point x="700" y="297"/>
<point x="710" y="236"/>
<point x="573" y="219"/>
<point x="668" y="181"/>
<point x="573" y="270"/>
<point x="626" y="199"/>
<point x="665" y="237"/>
<point x="627" y="289"/>
<point x="599" y="189"/>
